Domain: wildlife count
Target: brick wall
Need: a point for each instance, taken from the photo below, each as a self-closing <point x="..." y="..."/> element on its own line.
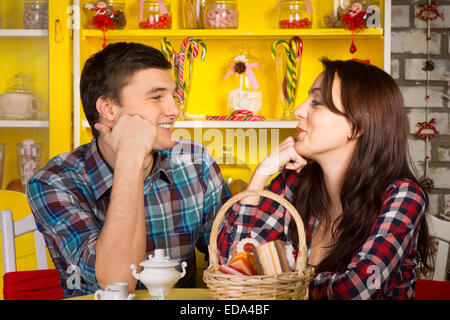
<point x="408" y="53"/>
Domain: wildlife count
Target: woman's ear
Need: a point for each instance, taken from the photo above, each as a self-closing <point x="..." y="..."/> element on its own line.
<point x="107" y="109"/>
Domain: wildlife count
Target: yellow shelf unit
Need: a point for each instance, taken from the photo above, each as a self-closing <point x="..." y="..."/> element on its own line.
<point x="44" y="55"/>
<point x="233" y="33"/>
<point x="257" y="28"/>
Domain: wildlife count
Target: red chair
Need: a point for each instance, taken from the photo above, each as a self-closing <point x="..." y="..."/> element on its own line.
<point x="41" y="284"/>
<point x="436" y="288"/>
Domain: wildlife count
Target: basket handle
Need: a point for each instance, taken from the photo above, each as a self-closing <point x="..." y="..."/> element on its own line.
<point x="213" y="254"/>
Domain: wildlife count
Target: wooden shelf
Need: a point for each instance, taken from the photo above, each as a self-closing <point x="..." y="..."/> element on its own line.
<point x="231" y="33"/>
<point x="23" y="33"/>
<point x="268" y="124"/>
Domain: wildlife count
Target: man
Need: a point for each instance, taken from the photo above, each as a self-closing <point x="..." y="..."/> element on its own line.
<point x="110" y="203"/>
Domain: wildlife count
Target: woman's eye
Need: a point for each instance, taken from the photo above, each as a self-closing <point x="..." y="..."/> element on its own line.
<point x="316" y="103"/>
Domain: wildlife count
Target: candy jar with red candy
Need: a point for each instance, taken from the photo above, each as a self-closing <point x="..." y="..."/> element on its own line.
<point x="221" y="14"/>
<point x="295" y="15"/>
<point x="155" y="14"/>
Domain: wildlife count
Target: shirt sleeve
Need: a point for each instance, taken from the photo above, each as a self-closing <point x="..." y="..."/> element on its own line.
<point x="264" y="222"/>
<point x="69" y="229"/>
<point x="216" y="193"/>
<point x="392" y="237"/>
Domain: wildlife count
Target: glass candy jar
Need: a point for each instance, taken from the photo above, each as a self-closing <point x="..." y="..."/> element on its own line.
<point x="244" y="92"/>
<point x="221" y="14"/>
<point x="156" y="15"/>
<point x="193" y="12"/>
<point x="106" y="14"/>
<point x="35" y="14"/>
<point x="294" y="15"/>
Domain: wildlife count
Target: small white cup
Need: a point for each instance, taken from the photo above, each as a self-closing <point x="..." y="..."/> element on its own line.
<point x="114" y="291"/>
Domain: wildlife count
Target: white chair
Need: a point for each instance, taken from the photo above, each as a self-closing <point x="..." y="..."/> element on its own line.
<point x="440" y="229"/>
<point x="11" y="229"/>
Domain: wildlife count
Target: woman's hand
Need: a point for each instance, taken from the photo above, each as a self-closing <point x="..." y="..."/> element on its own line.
<point x="284" y="156"/>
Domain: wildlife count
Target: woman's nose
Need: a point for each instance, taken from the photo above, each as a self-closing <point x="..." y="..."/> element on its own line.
<point x="300" y="111"/>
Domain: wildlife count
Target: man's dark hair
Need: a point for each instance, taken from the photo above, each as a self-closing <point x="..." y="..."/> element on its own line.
<point x="108" y="71"/>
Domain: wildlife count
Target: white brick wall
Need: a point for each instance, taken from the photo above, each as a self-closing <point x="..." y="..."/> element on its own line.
<point x="414" y="69"/>
<point x="400" y="16"/>
<point x="440" y="177"/>
<point x="414" y="41"/>
<point x="415" y="96"/>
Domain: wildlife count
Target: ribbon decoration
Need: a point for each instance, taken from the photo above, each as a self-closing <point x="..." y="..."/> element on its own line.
<point x="248" y="71"/>
<point x="307" y="3"/>
<point x="161" y="4"/>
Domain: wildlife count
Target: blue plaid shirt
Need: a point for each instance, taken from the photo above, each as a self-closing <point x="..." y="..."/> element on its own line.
<point x="69" y="199"/>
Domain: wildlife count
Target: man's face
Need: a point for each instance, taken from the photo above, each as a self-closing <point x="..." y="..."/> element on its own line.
<point x="150" y="94"/>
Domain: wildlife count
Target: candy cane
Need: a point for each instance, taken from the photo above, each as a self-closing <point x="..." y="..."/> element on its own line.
<point x="167" y="49"/>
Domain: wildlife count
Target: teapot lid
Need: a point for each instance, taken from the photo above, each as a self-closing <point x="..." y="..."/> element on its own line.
<point x="20" y="84"/>
<point x="159" y="260"/>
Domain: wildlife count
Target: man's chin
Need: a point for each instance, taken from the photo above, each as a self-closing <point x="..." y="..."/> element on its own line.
<point x="164" y="145"/>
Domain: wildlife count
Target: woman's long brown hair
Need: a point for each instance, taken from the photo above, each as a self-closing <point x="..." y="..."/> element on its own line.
<point x="373" y="104"/>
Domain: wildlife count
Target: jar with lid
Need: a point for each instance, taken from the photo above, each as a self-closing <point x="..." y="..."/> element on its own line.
<point x="221" y="14"/>
<point x="35" y="14"/>
<point x="18" y="101"/>
<point x="295" y="15"/>
<point x="156" y="14"/>
<point x="193" y="12"/>
<point x="244" y="93"/>
<point x="105" y="14"/>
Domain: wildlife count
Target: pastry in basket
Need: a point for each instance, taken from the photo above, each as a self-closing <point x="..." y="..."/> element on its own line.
<point x="246" y="245"/>
<point x="229" y="270"/>
<point x="245" y="263"/>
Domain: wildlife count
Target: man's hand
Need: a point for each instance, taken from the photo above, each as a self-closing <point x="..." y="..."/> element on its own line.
<point x="131" y="134"/>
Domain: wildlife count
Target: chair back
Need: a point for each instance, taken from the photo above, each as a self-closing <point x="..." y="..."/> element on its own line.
<point x="22" y="245"/>
<point x="440" y="229"/>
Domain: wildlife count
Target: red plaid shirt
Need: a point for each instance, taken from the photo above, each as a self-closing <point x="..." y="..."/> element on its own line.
<point x="384" y="267"/>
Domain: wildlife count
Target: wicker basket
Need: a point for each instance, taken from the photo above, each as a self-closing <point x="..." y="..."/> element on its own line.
<point x="284" y="286"/>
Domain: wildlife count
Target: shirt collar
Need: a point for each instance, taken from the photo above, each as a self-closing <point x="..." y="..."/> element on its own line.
<point x="162" y="168"/>
<point x="102" y="176"/>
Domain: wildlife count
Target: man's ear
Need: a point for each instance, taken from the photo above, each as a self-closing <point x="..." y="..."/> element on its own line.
<point x="107" y="109"/>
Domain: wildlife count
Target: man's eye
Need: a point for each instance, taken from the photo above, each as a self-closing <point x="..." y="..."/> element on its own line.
<point x="156" y="98"/>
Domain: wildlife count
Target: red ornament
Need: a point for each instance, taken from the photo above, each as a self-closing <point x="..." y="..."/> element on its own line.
<point x="429" y="12"/>
<point x="427" y="130"/>
<point x="353" y="20"/>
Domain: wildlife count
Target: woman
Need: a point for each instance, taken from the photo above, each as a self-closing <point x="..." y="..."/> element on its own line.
<point x="347" y="173"/>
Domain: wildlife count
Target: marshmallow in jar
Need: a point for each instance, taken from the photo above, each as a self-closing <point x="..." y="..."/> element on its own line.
<point x="221" y="14"/>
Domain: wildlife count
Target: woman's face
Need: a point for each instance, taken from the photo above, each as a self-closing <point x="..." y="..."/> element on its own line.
<point x="322" y="134"/>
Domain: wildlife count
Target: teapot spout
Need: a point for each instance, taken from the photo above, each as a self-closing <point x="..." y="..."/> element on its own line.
<point x="183" y="266"/>
<point x="134" y="273"/>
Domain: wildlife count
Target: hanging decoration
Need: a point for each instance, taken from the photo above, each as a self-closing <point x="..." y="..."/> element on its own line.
<point x="104" y="18"/>
<point x="182" y="66"/>
<point x="429" y="11"/>
<point x="427" y="129"/>
<point x="353" y="19"/>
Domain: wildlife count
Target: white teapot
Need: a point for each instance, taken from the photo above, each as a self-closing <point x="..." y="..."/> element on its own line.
<point x="159" y="274"/>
